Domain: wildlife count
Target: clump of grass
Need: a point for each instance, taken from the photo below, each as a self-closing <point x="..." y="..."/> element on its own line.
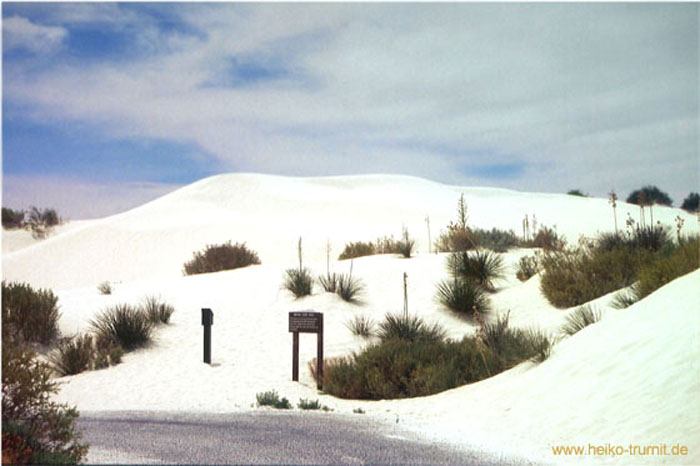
<point x="299" y="282"/>
<point x="73" y="356"/>
<point x="157" y="311"/>
<point x="494" y="239"/>
<point x="361" y="326"/>
<point x="357" y="249"/>
<point x="108" y="352"/>
<point x="580" y="319"/>
<point x="405" y="246"/>
<point x="480" y="267"/>
<point x="511" y="346"/>
<point x="407" y="327"/>
<point x="463" y="296"/>
<point x="215" y="258"/>
<point x="105" y="288"/>
<point x="528" y="267"/>
<point x="358" y="411"/>
<point x="349" y="287"/>
<point x="128" y="326"/>
<point x="312" y="405"/>
<point x="28" y="314"/>
<point x="273" y="399"/>
<point x="547" y="239"/>
<point x="329" y="282"/>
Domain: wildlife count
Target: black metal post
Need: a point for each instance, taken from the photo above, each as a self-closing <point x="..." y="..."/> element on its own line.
<point x="319" y="355"/>
<point x="207" y="322"/>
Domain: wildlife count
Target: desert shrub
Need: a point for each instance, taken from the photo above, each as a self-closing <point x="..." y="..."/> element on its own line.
<point x="511" y="346"/>
<point x="128" y="326"/>
<point x="273" y="399"/>
<point x="298" y="281"/>
<point x="408" y="327"/>
<point x="12" y="218"/>
<point x="462" y="296"/>
<point x="494" y="239"/>
<point x="690" y="203"/>
<point x="625" y="298"/>
<point x="215" y="258"/>
<point x="42" y="221"/>
<point x="104" y="288"/>
<point x="357" y="249"/>
<point x="649" y="195"/>
<point x="480" y="267"/>
<point x="311" y="405"/>
<point x="108" y="352"/>
<point x="576" y="192"/>
<point x="73" y="355"/>
<point x="361" y="326"/>
<point x="652" y="238"/>
<point x="547" y="239"/>
<point x="580" y="319"/>
<point x="667" y="266"/>
<point x="576" y="276"/>
<point x="405" y="246"/>
<point x="329" y="282"/>
<point x="157" y="311"/>
<point x="610" y="241"/>
<point x="34" y="428"/>
<point x="528" y="267"/>
<point x="31" y="314"/>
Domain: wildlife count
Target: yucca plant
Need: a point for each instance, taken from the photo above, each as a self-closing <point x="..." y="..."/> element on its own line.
<point x="157" y="311"/>
<point x="463" y="296"/>
<point x="349" y="287"/>
<point x="73" y="355"/>
<point x="407" y="327"/>
<point x="361" y="326"/>
<point x="481" y="267"/>
<point x="105" y="288"/>
<point x="128" y="326"/>
<point x="580" y="319"/>
<point x="329" y="282"/>
<point x="625" y="298"/>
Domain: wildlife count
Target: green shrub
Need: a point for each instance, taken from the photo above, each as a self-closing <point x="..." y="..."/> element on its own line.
<point x="690" y="203"/>
<point x="12" y="218"/>
<point x="272" y="398"/>
<point x="651" y="238"/>
<point x="361" y="326"/>
<point x="349" y="288"/>
<point x="528" y="267"/>
<point x="547" y="239"/>
<point x="580" y="319"/>
<point x="298" y="281"/>
<point x="667" y="266"/>
<point x="576" y="276"/>
<point x="216" y="258"/>
<point x="462" y="296"/>
<point x="73" y="356"/>
<point x="357" y="249"/>
<point x="30" y="314"/>
<point x="576" y="192"/>
<point x="480" y="267"/>
<point x="512" y="346"/>
<point x="128" y="326"/>
<point x="649" y="195"/>
<point x="158" y="312"/>
<point x="42" y="221"/>
<point x="407" y="327"/>
<point x="494" y="239"/>
<point x="405" y="246"/>
<point x="34" y="428"/>
<point x="104" y="288"/>
<point x="311" y="405"/>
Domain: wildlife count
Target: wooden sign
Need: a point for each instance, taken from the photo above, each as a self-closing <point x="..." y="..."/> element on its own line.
<point x="307" y="322"/>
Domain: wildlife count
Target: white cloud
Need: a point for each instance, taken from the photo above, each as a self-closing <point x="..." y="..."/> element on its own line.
<point x="19" y="32"/>
<point x="431" y="90"/>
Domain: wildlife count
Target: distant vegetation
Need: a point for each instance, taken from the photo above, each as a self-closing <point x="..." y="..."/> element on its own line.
<point x="649" y="195"/>
<point x="216" y="258"/>
<point x="298" y="281"/>
<point x="384" y="245"/>
<point x="576" y="192"/>
<point x="39" y="222"/>
<point x="691" y="203"/>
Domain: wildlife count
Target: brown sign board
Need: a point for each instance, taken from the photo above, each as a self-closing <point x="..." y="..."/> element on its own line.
<point x="306" y="321"/>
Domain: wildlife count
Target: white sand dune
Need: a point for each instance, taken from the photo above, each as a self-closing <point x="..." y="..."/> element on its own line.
<point x="632" y="378"/>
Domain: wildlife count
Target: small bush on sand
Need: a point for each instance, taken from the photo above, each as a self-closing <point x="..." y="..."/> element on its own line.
<point x="651" y="238"/>
<point x="547" y="239"/>
<point x="216" y="258"/>
<point x="130" y="327"/>
<point x="408" y="327"/>
<point x="35" y="429"/>
<point x="580" y="319"/>
<point x="299" y="282"/>
<point x="480" y="267"/>
<point x="462" y="296"/>
<point x="104" y="288"/>
<point x="349" y="288"/>
<point x="495" y="239"/>
<point x="31" y="314"/>
<point x="690" y="204"/>
<point x="361" y="326"/>
<point x="625" y="298"/>
<point x="511" y="346"/>
<point x="329" y="282"/>
<point x="528" y="267"/>
<point x="157" y="311"/>
<point x="108" y="352"/>
<point x="273" y="399"/>
<point x="357" y="249"/>
<point x="73" y="356"/>
<point x="12" y="219"/>
<point x="405" y="246"/>
<point x="311" y="405"/>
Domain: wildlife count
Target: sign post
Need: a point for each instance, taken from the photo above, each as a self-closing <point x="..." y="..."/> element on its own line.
<point x="207" y="322"/>
<point x="307" y="322"/>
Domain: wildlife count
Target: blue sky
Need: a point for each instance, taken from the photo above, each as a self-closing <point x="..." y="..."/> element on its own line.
<point x="107" y="105"/>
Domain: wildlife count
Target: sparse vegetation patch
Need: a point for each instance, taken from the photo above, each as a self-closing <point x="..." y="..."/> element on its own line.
<point x="215" y="258"/>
